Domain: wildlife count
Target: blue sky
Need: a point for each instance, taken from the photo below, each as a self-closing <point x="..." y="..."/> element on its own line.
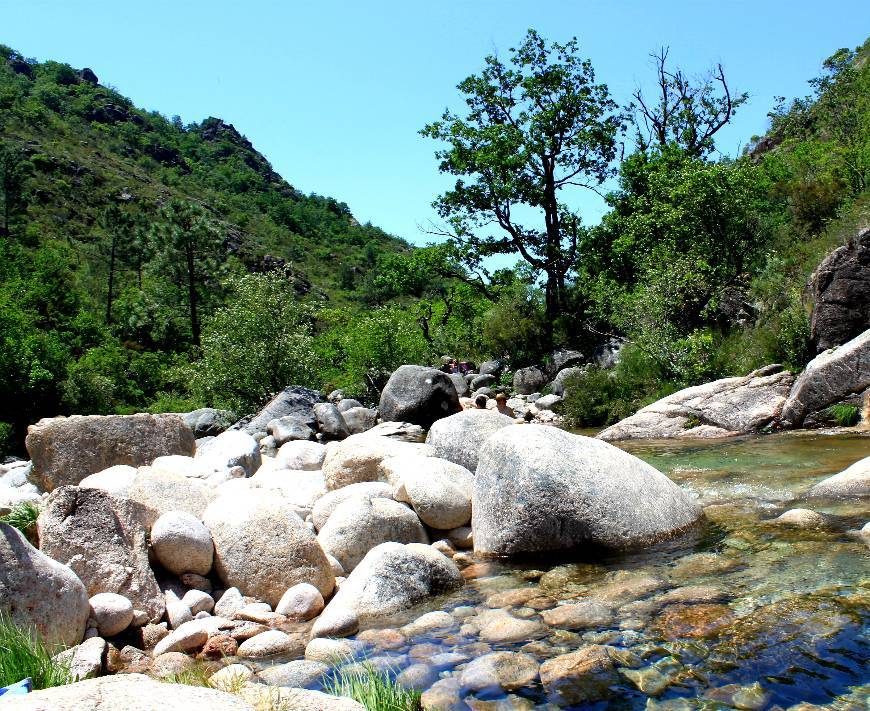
<point x="333" y="93"/>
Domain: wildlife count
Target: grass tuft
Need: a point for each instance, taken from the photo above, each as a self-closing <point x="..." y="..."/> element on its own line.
<point x="845" y="415"/>
<point x="372" y="688"/>
<point x="22" y="516"/>
<point x="23" y="655"/>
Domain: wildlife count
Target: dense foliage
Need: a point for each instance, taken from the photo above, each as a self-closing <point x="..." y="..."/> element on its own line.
<point x="147" y="264"/>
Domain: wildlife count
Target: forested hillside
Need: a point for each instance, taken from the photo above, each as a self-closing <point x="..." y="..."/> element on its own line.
<point x="149" y="264"/>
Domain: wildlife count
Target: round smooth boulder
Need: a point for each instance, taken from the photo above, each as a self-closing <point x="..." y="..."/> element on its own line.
<point x="112" y="612"/>
<point x="458" y="438"/>
<point x="852" y="481"/>
<point x="418" y="395"/>
<point x="262" y="546"/>
<point x="529" y="380"/>
<point x="182" y="543"/>
<point x="301" y="602"/>
<point x="360" y="524"/>
<point x="40" y="593"/>
<point x="300" y="455"/>
<point x="540" y="488"/>
<point x="328" y="503"/>
<point x="358" y="458"/>
<point x="440" y="492"/>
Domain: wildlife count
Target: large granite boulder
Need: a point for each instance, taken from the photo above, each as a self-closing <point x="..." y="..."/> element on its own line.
<point x="854" y="481"/>
<point x="104" y="540"/>
<point x="565" y="358"/>
<point x="418" y="395"/>
<point x="40" y="593"/>
<point x="720" y="408"/>
<point x="458" y="438"/>
<point x="841" y="294"/>
<point x="262" y="547"/>
<point x="65" y="450"/>
<point x="360" y="523"/>
<point x="392" y="577"/>
<point x="162" y="491"/>
<point x="360" y="419"/>
<point x="330" y="421"/>
<point x="293" y="400"/>
<point x="127" y="692"/>
<point x="327" y="504"/>
<point x="541" y="489"/>
<point x="358" y="458"/>
<point x="529" y="380"/>
<point x="828" y="379"/>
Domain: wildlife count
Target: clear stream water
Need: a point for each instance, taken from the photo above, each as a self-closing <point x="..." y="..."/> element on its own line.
<point x="744" y="613"/>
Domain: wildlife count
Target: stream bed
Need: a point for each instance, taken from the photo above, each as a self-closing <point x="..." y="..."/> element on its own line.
<point x="742" y="613"/>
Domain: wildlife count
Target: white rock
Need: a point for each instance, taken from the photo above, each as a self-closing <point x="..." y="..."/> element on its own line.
<point x="229" y="449"/>
<point x="363" y="490"/>
<point x="198" y="601"/>
<point x="301" y="455"/>
<point x="440" y="492"/>
<point x="231" y="678"/>
<point x="358" y="457"/>
<point x="358" y="525"/>
<point x="301" y="488"/>
<point x="113" y="613"/>
<point x="266" y="644"/>
<point x="458" y="438"/>
<point x="182" y="543"/>
<point x="263" y="547"/>
<point x="852" y="481"/>
<point x="301" y="602"/>
<point x="115" y="480"/>
<point x="803" y="518"/>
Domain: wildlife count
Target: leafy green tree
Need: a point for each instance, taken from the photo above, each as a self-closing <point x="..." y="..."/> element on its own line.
<point x="536" y="126"/>
<point x="190" y="250"/>
<point x="257" y="344"/>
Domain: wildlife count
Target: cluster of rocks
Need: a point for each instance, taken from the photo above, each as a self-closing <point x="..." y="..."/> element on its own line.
<point x="155" y="547"/>
<point x="767" y="399"/>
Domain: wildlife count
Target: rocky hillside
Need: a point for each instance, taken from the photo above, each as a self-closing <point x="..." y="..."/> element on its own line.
<point x="81" y="147"/>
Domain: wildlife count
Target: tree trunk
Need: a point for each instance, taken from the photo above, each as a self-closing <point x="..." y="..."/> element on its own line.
<point x="191" y="290"/>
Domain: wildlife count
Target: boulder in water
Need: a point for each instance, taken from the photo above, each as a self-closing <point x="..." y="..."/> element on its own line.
<point x="458" y="438"/>
<point x="538" y="488"/>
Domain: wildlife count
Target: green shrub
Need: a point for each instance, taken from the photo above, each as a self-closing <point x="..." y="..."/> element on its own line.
<point x="23" y="517"/>
<point x="23" y="655"/>
<point x="845" y="415"/>
<point x="372" y="688"/>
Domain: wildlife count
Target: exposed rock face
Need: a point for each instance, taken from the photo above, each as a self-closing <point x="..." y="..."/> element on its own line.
<point x="852" y="481"/>
<point x="163" y="491"/>
<point x="418" y="395"/>
<point x="262" y="546"/>
<point x="392" y="577"/>
<point x="529" y="380"/>
<point x="841" y="294"/>
<point x="39" y="592"/>
<point x="105" y="541"/>
<point x="359" y="524"/>
<point x="539" y="488"/>
<point x="65" y="450"/>
<point x="127" y="692"/>
<point x="723" y="407"/>
<point x="458" y="438"/>
<point x="830" y="377"/>
<point x="295" y="400"/>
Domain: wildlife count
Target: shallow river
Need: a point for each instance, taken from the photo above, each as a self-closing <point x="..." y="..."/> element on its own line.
<point x="744" y="613"/>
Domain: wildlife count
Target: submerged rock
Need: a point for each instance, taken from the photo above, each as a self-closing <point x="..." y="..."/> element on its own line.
<point x="579" y="677"/>
<point x="721" y="408"/>
<point x="542" y="489"/>
<point x="852" y="481"/>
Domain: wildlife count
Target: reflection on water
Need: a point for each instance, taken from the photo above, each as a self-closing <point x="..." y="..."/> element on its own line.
<point x="745" y="613"/>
